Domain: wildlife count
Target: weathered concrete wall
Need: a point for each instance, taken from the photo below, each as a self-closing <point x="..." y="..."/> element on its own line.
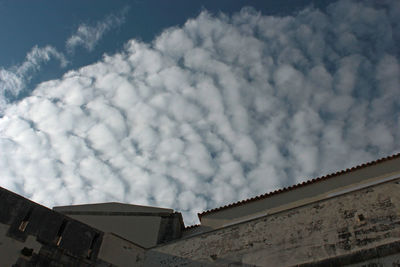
<point x="329" y="229"/>
<point x="120" y="252"/>
<point x="142" y="225"/>
<point x="11" y="249"/>
<point x="142" y="230"/>
<point x="353" y="180"/>
<point x="391" y="260"/>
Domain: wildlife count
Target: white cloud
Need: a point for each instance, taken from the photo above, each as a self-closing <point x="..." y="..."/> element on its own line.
<point x="88" y="36"/>
<point x="14" y="79"/>
<point x="220" y="109"/>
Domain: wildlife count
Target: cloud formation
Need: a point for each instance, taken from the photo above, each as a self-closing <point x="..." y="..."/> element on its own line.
<point x="220" y="109"/>
<point x="14" y="79"/>
<point x="88" y="36"/>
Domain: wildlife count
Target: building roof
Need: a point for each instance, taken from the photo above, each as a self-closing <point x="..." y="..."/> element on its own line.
<point x="110" y="207"/>
<point x="305" y="183"/>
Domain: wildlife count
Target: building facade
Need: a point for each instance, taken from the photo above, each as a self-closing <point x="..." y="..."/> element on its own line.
<point x="349" y="218"/>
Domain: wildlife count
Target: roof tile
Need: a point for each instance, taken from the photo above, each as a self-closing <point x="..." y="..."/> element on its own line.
<point x="285" y="189"/>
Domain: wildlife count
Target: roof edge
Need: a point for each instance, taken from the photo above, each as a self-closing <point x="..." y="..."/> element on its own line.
<point x="305" y="183"/>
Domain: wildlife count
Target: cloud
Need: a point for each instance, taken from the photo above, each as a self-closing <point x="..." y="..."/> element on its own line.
<point x="88" y="36"/>
<point x="13" y="80"/>
<point x="218" y="110"/>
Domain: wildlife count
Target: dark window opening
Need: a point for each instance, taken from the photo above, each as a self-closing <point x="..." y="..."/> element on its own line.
<point x="27" y="251"/>
<point x="25" y="221"/>
<point x="60" y="232"/>
<point x="92" y="243"/>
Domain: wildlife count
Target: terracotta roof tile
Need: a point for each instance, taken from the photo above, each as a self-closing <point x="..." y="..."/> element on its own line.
<point x="285" y="189"/>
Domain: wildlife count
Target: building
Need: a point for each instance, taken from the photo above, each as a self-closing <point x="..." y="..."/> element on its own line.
<point x="349" y="218"/>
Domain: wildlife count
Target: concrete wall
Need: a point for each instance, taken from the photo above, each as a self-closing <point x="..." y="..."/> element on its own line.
<point x="142" y="230"/>
<point x="390" y="260"/>
<point x="120" y="252"/>
<point x="142" y="225"/>
<point x="10" y="249"/>
<point x="303" y="195"/>
<point x="341" y="230"/>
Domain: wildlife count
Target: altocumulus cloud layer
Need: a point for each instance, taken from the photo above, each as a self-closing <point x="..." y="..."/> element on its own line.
<point x="215" y="111"/>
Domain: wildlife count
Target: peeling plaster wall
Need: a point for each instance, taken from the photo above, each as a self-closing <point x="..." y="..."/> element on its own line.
<point x="341" y="229"/>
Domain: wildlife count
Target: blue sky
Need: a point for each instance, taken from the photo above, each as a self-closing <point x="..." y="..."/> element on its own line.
<point x="26" y="24"/>
<point x="192" y="105"/>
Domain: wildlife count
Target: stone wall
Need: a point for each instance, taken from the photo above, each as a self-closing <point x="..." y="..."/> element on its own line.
<point x="354" y="227"/>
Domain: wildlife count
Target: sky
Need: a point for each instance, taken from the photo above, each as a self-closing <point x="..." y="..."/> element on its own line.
<point x="192" y="105"/>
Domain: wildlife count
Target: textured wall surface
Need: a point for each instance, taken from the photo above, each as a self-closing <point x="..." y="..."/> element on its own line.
<point x="354" y="227"/>
<point x="120" y="252"/>
<point x="309" y="192"/>
<point x="391" y="260"/>
<point x="360" y="228"/>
